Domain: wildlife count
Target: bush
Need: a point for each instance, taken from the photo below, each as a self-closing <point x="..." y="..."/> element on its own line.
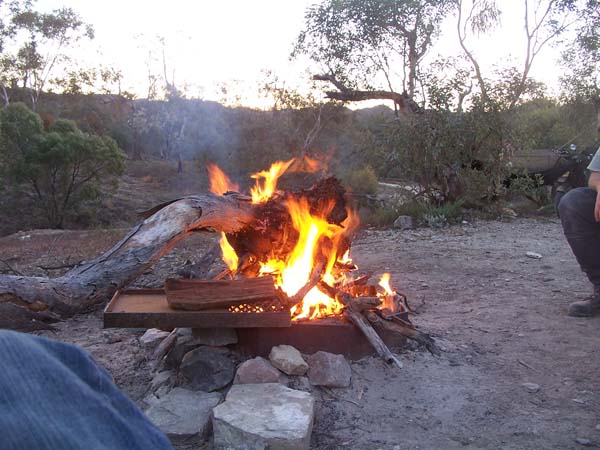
<point x="58" y="169"/>
<point x="363" y="180"/>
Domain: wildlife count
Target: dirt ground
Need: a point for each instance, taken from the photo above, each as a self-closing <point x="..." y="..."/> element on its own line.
<point x="498" y="315"/>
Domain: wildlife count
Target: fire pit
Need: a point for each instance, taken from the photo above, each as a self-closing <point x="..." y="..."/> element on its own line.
<point x="289" y="277"/>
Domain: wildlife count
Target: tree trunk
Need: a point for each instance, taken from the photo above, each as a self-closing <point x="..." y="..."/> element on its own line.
<point x="30" y="302"/>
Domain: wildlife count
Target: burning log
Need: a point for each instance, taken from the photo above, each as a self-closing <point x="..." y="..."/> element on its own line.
<point x="256" y="229"/>
<point x="208" y="294"/>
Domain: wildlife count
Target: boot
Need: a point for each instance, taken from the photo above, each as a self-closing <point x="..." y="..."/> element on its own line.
<point x="588" y="307"/>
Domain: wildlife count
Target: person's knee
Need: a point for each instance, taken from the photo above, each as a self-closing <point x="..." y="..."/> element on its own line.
<point x="577" y="200"/>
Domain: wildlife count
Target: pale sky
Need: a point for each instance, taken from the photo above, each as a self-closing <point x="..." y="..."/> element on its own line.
<point x="210" y="42"/>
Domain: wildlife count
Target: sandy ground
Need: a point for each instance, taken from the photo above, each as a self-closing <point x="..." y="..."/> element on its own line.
<point x="498" y="315"/>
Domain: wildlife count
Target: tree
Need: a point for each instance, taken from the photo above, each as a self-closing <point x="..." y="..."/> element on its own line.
<point x="357" y="41"/>
<point x="581" y="60"/>
<point x="543" y="22"/>
<point x="38" y="42"/>
<point x="57" y="169"/>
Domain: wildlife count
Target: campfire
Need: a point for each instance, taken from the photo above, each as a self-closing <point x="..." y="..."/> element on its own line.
<point x="296" y="256"/>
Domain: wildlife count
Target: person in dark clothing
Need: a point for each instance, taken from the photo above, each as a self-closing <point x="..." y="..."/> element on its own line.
<point x="579" y="212"/>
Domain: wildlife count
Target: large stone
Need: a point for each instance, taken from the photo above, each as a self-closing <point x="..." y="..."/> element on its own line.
<point x="185" y="343"/>
<point x="404" y="223"/>
<point x="257" y="370"/>
<point x="207" y="368"/>
<point x="164" y="378"/>
<point x="215" y="336"/>
<point x="264" y="416"/>
<point x="152" y="337"/>
<point x="287" y="359"/>
<point x="327" y="369"/>
<point x="184" y="414"/>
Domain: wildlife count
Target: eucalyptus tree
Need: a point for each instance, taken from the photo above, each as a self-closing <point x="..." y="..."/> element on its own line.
<point x="33" y="44"/>
<point x="371" y="48"/>
<point x="581" y="59"/>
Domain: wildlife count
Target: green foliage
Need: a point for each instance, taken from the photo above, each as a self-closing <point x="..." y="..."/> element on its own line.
<point x="358" y="40"/>
<point x="581" y="59"/>
<point x="59" y="169"/>
<point x="362" y="180"/>
<point x="432" y="215"/>
<point x="531" y="187"/>
<point x="38" y="41"/>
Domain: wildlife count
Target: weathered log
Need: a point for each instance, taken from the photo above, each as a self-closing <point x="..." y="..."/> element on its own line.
<point x="365" y="327"/>
<point x="399" y="326"/>
<point x="94" y="282"/>
<point x="195" y="295"/>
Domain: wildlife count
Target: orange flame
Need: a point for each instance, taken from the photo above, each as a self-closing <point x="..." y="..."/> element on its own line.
<point x="229" y="256"/>
<point x="388" y="297"/>
<point x="294" y="273"/>
<point x="384" y="282"/>
<point x="219" y="182"/>
<point x="261" y="192"/>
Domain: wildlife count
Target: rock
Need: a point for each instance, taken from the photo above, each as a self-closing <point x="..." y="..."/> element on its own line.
<point x="152" y="337"/>
<point x="584" y="442"/>
<point x="207" y="368"/>
<point x="301" y="384"/>
<point x="404" y="223"/>
<point x="287" y="359"/>
<point x="215" y="336"/>
<point x="183" y="414"/>
<point x="257" y="370"/>
<point x="111" y="338"/>
<point x="163" y="378"/>
<point x="183" y="345"/>
<point x="264" y="416"/>
<point x="327" y="369"/>
<point x="531" y="387"/>
<point x="533" y="255"/>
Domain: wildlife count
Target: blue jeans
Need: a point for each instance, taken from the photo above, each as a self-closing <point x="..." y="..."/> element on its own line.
<point x="53" y="396"/>
<point x="576" y="211"/>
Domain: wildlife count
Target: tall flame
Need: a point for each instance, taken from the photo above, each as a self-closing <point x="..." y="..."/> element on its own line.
<point x="230" y="257"/>
<point x="384" y="282"/>
<point x="261" y="192"/>
<point x="219" y="182"/>
<point x="388" y="297"/>
<point x="295" y="272"/>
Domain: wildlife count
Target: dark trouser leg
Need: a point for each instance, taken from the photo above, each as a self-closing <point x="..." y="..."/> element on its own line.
<point x="582" y="231"/>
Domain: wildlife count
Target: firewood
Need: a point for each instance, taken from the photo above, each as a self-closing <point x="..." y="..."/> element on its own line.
<point x="363" y="324"/>
<point x="251" y="229"/>
<point x="353" y="309"/>
<point x="210" y="294"/>
<point x="399" y="326"/>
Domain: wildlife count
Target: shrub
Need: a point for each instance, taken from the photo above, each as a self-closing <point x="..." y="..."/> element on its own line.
<point x="58" y="169"/>
<point x="362" y="181"/>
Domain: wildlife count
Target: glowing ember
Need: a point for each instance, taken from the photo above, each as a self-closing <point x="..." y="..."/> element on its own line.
<point x="219" y="182"/>
<point x="229" y="256"/>
<point x="261" y="192"/>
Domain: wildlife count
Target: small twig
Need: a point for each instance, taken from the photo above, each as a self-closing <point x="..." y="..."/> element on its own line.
<point x="523" y="363"/>
<point x="11" y="268"/>
<point x="164" y="347"/>
<point x="341" y="398"/>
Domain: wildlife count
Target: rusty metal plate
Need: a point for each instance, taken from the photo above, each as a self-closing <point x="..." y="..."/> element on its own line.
<point x="148" y="308"/>
<point x="330" y="335"/>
